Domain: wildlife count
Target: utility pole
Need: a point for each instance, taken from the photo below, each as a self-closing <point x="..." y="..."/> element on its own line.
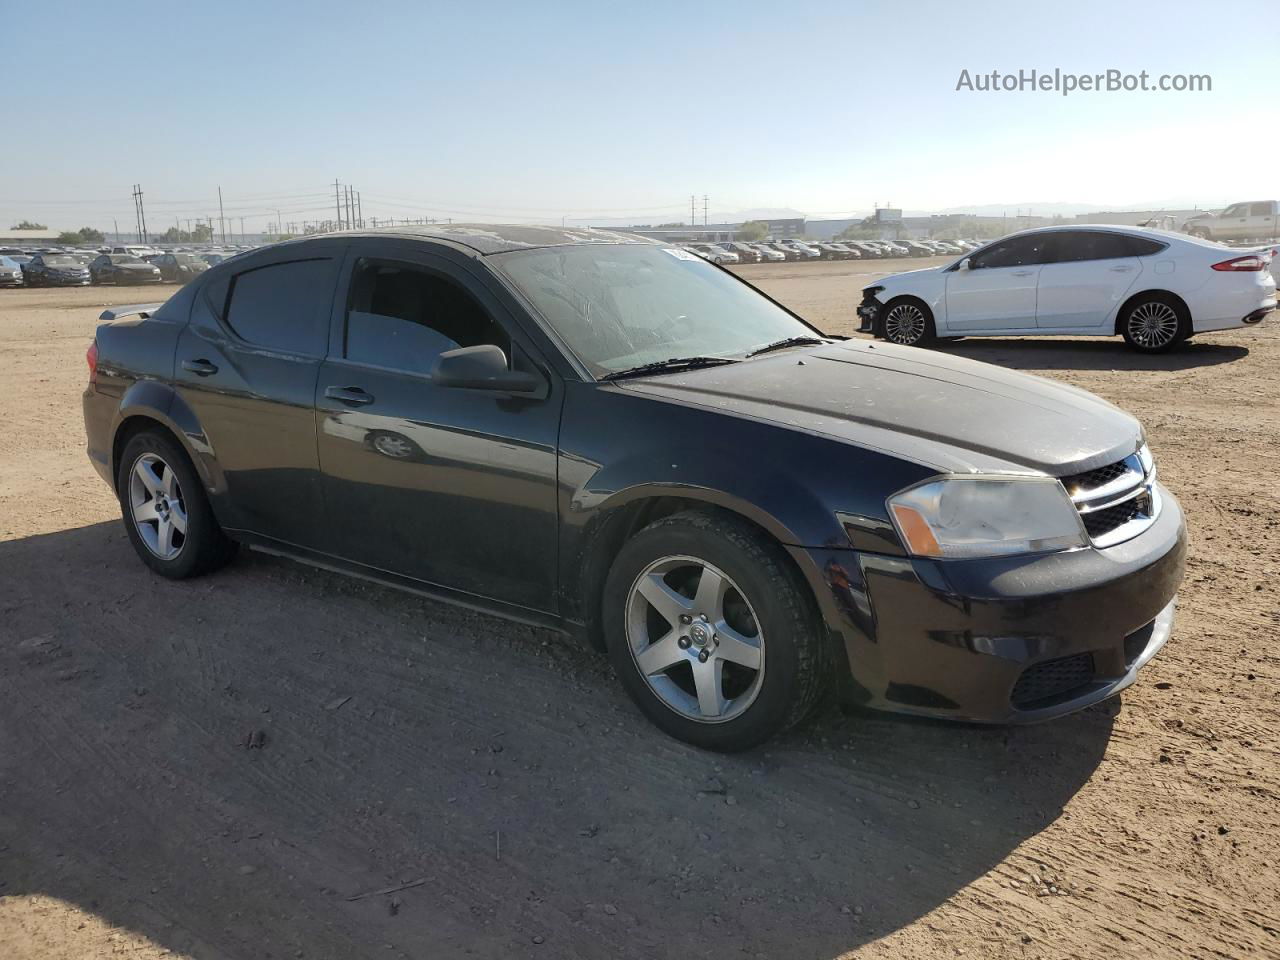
<point x="704" y="209"/>
<point x="242" y="240"/>
<point x="359" y="211"/>
<point x="222" y="220"/>
<point x="337" y="204"/>
<point x="693" y="210"/>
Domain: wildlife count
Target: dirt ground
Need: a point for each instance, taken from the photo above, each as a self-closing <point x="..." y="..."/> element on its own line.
<point x="498" y="774"/>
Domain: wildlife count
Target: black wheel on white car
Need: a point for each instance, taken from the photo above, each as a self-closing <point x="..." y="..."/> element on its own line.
<point x="1154" y="323"/>
<point x="908" y="321"/>
<point x="712" y="632"/>
<point x="166" y="513"/>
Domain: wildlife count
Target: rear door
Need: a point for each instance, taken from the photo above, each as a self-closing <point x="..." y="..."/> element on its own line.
<point x="451" y="486"/>
<point x="1086" y="279"/>
<point x="998" y="291"/>
<point x="247" y="365"/>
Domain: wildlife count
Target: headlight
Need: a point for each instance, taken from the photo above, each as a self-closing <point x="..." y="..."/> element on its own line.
<point x="962" y="517"/>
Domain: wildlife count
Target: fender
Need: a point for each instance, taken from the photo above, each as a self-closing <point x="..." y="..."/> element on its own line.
<point x="161" y="402"/>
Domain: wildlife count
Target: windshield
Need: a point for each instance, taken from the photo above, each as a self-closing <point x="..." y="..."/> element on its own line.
<point x="620" y="306"/>
<point x="125" y="258"/>
<point x="61" y="262"/>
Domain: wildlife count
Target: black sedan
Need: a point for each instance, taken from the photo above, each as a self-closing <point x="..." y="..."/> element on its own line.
<point x="55" y="270"/>
<point x="123" y="268"/>
<point x="179" y="267"/>
<point x="611" y="437"/>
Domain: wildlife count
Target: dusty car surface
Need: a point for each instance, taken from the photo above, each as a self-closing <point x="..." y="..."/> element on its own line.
<point x="615" y="438"/>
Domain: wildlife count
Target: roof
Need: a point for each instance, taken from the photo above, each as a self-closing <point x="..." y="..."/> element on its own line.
<point x="487" y="238"/>
<point x="501" y="238"/>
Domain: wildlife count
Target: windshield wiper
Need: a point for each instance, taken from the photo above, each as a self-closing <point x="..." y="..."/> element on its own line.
<point x="788" y="342"/>
<point x="666" y="366"/>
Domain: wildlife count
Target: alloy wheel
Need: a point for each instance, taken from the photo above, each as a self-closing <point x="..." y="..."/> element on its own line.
<point x="695" y="639"/>
<point x="905" y="324"/>
<point x="157" y="507"/>
<point x="1153" y="325"/>
<point x="398" y="448"/>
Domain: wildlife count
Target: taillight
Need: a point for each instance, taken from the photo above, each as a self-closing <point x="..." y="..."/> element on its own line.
<point x="1253" y="262"/>
<point x="92" y="357"/>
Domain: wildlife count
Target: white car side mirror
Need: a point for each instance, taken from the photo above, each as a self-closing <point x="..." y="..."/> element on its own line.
<point x="964" y="264"/>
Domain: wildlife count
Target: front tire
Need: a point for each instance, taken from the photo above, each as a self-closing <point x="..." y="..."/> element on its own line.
<point x="1154" y="323"/>
<point x="712" y="632"/>
<point x="165" y="510"/>
<point x="908" y="322"/>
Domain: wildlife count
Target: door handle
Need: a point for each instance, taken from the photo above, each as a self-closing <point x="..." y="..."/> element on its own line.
<point x="201" y="368"/>
<point x="1023" y="273"/>
<point x="1120" y="269"/>
<point x="352" y="395"/>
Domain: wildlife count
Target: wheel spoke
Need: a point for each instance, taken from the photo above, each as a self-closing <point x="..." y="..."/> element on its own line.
<point x="178" y="517"/>
<point x="145" y="511"/>
<point x="709" y="600"/>
<point x="707" y="679"/>
<point x="736" y="648"/>
<point x="148" y="477"/>
<point x="660" y="655"/>
<point x="164" y="537"/>
<point x="169" y="482"/>
<point x="663" y="599"/>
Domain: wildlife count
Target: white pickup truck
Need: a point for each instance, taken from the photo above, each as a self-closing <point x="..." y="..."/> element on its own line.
<point x="1254" y="220"/>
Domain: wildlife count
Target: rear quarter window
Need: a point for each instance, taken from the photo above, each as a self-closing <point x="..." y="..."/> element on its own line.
<point x="1143" y="247"/>
<point x="282" y="306"/>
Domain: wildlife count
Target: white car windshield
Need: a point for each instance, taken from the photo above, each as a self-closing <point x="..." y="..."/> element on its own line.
<point x="621" y="306"/>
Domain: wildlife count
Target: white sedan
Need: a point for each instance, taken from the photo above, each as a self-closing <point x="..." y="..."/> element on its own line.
<point x="1151" y="287"/>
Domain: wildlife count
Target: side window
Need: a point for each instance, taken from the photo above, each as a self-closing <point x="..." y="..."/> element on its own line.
<point x="1260" y="209"/>
<point x="1235" y="210"/>
<point x="1144" y="247"/>
<point x="1075" y="245"/>
<point x="1014" y="252"/>
<point x="404" y="317"/>
<point x="284" y="306"/>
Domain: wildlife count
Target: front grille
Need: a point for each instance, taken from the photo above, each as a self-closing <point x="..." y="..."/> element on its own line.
<point x="1092" y="479"/>
<point x="1101" y="522"/>
<point x="1052" y="678"/>
<point x="1116" y="501"/>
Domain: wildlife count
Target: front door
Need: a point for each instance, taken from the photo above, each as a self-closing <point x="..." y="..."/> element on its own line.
<point x="998" y="291"/>
<point x="1086" y="279"/>
<point x="247" y="365"/>
<point x="447" y="485"/>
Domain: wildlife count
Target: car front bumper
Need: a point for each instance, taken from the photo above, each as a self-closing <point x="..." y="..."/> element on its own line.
<point x="868" y="311"/>
<point x="1007" y="640"/>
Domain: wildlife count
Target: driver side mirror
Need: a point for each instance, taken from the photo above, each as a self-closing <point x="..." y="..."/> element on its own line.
<point x="482" y="367"/>
<point x="964" y="264"/>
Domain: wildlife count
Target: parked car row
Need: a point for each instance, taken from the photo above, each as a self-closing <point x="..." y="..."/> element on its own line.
<point x="127" y="264"/>
<point x="733" y="251"/>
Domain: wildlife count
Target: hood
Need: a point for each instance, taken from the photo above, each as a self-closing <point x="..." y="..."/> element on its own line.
<point x="137" y="266"/>
<point x="949" y="413"/>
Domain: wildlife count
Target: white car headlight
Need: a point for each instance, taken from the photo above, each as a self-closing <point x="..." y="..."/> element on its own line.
<point x="962" y="517"/>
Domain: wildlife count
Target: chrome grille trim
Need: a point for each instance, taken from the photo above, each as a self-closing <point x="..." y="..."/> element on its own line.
<point x="1121" y="482"/>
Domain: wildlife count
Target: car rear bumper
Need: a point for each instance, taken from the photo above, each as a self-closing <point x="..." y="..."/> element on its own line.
<point x="1002" y="640"/>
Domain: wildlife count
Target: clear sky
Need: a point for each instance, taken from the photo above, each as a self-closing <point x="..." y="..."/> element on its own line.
<point x="600" y="110"/>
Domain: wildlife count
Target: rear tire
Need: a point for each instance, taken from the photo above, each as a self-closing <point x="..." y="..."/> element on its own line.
<point x="733" y="648"/>
<point x="1154" y="323"/>
<point x="908" y="321"/>
<point x="166" y="512"/>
